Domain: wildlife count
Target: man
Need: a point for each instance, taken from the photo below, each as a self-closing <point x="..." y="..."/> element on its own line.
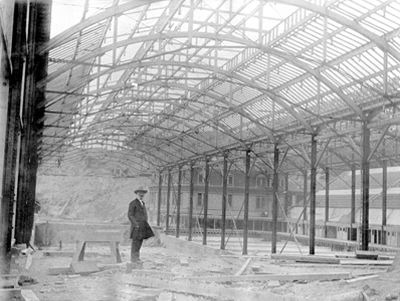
<point x="140" y="228"/>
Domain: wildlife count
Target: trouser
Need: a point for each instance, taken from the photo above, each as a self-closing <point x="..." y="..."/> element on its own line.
<point x="135" y="249"/>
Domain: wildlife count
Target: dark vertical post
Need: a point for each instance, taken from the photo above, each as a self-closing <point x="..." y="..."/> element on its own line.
<point x="13" y="88"/>
<point x="169" y="182"/>
<point x="178" y="203"/>
<point x="313" y="181"/>
<point x="275" y="184"/>
<point x="191" y="189"/>
<point x="353" y="232"/>
<point x="246" y="202"/>
<point x="159" y="199"/>
<point x="326" y="201"/>
<point x="384" y="200"/>
<point x="365" y="186"/>
<point x="206" y="183"/>
<point x="32" y="118"/>
<point x="224" y="200"/>
<point x="287" y="196"/>
<point x="305" y="197"/>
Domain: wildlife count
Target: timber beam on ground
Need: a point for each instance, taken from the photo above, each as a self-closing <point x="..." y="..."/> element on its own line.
<point x="269" y="277"/>
<point x="306" y="258"/>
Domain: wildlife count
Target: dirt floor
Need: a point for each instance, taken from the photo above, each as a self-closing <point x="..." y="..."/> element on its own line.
<point x="169" y="275"/>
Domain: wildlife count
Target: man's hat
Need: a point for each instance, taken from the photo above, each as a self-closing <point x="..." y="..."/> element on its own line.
<point x="140" y="188"/>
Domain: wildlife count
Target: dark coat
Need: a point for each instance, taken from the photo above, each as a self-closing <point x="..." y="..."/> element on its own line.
<point x="137" y="214"/>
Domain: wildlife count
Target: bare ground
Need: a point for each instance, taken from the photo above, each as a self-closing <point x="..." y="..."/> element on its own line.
<point x="115" y="283"/>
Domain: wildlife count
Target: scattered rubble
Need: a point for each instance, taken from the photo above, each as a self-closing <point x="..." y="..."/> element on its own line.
<point x="166" y="274"/>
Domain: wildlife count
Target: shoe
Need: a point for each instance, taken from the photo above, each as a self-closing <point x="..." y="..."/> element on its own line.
<point x="136" y="261"/>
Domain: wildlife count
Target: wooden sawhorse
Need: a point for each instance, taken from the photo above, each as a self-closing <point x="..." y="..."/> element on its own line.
<point x="112" y="237"/>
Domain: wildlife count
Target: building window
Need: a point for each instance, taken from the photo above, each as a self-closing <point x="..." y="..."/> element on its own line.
<point x="230" y="202"/>
<point x="230" y="180"/>
<point x="261" y="202"/>
<point x="269" y="182"/>
<point x="199" y="199"/>
<point x="200" y="178"/>
<point x="282" y="183"/>
<point x="258" y="202"/>
<point x="264" y="202"/>
<point x="261" y="182"/>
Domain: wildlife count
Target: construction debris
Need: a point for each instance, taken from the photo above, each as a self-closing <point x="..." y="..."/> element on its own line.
<point x="362" y="278"/>
<point x="206" y="290"/>
<point x="180" y="275"/>
<point x="351" y="296"/>
<point x="243" y="268"/>
<point x="306" y="258"/>
<point x="84" y="268"/>
<point x="268" y="277"/>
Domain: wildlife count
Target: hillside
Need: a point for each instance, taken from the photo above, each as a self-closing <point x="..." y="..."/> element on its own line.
<point x="88" y="190"/>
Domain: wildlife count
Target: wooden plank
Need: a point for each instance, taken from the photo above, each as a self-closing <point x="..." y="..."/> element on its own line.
<point x="374" y="255"/>
<point x="84" y="267"/>
<point x="29" y="295"/>
<point x="345" y="256"/>
<point x="184" y="262"/>
<point x="67" y="253"/>
<point x="366" y="255"/>
<point x="353" y="280"/>
<point x="270" y="277"/>
<point x="273" y="283"/>
<point x="367" y="262"/>
<point x="256" y="267"/>
<point x="385" y="253"/>
<point x="105" y="236"/>
<point x="9" y="283"/>
<point x="307" y="258"/>
<point x="115" y="255"/>
<point x="243" y="268"/>
<point x="10" y="294"/>
<point x="79" y="254"/>
<point x="154" y="272"/>
<point x="205" y="290"/>
<point x="59" y="270"/>
<point x="28" y="262"/>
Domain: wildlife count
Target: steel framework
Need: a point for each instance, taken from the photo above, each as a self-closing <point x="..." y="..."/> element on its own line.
<point x="156" y="84"/>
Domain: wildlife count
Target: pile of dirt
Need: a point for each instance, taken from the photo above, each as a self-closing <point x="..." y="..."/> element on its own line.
<point x="90" y="190"/>
<point x="86" y="198"/>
